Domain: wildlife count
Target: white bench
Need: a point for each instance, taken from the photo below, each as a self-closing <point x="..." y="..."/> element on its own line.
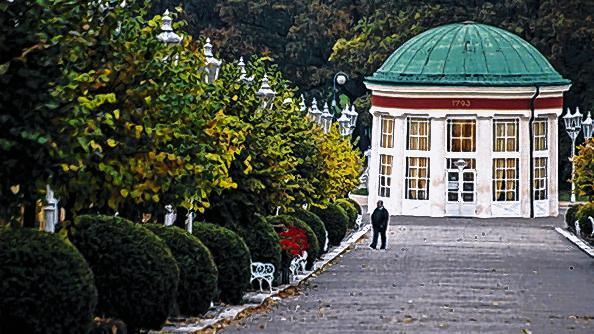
<point x="262" y="272"/>
<point x="298" y="264"/>
<point x="359" y="222"/>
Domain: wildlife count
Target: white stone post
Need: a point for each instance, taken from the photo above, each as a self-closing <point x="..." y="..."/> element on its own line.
<point x="170" y="215"/>
<point x="50" y="211"/>
<point x="189" y="221"/>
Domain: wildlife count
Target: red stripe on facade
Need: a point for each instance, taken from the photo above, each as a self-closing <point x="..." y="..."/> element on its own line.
<point x="465" y="103"/>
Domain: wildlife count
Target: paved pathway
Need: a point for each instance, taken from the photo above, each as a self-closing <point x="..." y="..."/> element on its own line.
<point x="446" y="276"/>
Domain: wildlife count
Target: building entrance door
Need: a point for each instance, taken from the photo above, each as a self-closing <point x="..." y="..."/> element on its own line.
<point x="461" y="188"/>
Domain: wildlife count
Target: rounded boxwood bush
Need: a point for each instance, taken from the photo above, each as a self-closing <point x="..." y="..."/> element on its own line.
<point x="313" y="250"/>
<point x="46" y="286"/>
<point x="135" y="273"/>
<point x="262" y="240"/>
<point x="355" y="204"/>
<point x="197" y="271"/>
<point x="232" y="257"/>
<point x="336" y="221"/>
<point x="314" y="222"/>
<point x="570" y="216"/>
<point x="350" y="210"/>
<point x="585" y="211"/>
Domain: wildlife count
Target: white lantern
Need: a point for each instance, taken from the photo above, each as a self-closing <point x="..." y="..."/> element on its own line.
<point x="167" y="34"/>
<point x="212" y="65"/>
<point x="314" y="112"/>
<point x="266" y="93"/>
<point x="587" y="126"/>
<point x="326" y="118"/>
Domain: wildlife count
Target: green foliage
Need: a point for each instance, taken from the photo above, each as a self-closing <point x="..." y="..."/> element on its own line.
<point x="32" y="40"/>
<point x="281" y="161"/>
<point x="585" y="211"/>
<point x="355" y="205"/>
<point x="262" y="241"/>
<point x="135" y="273"/>
<point x="336" y="221"/>
<point x="342" y="165"/>
<point x="232" y="258"/>
<point x="45" y="284"/>
<point x="314" y="222"/>
<point x="164" y="135"/>
<point x="584" y="170"/>
<point x="313" y="250"/>
<point x="349" y="209"/>
<point x="197" y="271"/>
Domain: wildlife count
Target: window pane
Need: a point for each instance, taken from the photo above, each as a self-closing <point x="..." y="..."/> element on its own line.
<point x="417" y="178"/>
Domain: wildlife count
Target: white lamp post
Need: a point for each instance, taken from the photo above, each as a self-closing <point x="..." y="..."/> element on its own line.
<point x="314" y="112"/>
<point x="326" y="118"/>
<point x="265" y="93"/>
<point x="340" y="78"/>
<point x="573" y="126"/>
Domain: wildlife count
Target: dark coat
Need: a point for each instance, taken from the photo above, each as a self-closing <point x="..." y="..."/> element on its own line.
<point x="379" y="218"/>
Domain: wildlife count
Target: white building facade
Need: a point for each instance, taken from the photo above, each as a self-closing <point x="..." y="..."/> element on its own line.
<point x="466" y="126"/>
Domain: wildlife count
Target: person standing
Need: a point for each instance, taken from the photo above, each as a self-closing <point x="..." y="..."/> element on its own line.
<point x="379" y="221"/>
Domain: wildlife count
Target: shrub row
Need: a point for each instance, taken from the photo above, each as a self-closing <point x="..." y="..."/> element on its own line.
<point x="141" y="274"/>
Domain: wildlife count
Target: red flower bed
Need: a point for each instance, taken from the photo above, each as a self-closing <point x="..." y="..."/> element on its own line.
<point x="293" y="240"/>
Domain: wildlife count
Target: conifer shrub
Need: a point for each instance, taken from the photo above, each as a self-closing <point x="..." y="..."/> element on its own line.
<point x="262" y="240"/>
<point x="336" y="221"/>
<point x="46" y="286"/>
<point x="197" y="270"/>
<point x="232" y="257"/>
<point x="135" y="273"/>
<point x="349" y="209"/>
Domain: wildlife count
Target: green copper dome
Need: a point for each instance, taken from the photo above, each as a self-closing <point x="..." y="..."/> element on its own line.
<point x="467" y="54"/>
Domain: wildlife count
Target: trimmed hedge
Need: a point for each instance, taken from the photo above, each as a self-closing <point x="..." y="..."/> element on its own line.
<point x="263" y="242"/>
<point x="313" y="250"/>
<point x="350" y="210"/>
<point x="135" y="273"/>
<point x="46" y="286"/>
<point x="336" y="221"/>
<point x="197" y="271"/>
<point x="355" y="204"/>
<point x="232" y="258"/>
<point x="314" y="222"/>
<point x="585" y="211"/>
<point x="570" y="216"/>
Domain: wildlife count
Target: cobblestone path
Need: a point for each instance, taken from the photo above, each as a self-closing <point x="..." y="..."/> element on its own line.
<point x="446" y="276"/>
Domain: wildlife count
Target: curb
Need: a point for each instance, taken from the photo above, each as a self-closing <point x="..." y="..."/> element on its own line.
<point x="256" y="300"/>
<point x="576" y="241"/>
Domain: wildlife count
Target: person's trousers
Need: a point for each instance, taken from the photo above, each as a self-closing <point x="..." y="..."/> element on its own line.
<point x="377" y="232"/>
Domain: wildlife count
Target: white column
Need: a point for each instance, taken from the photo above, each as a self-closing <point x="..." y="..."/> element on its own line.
<point x="398" y="169"/>
<point x="437" y="183"/>
<point x="372" y="184"/>
<point x="553" y="146"/>
<point x="484" y="166"/>
<point x="525" y="171"/>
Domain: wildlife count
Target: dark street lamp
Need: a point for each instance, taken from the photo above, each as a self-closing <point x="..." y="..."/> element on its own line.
<point x="340" y="78"/>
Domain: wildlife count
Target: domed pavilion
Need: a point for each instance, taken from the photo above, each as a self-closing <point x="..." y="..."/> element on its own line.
<point x="465" y="124"/>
